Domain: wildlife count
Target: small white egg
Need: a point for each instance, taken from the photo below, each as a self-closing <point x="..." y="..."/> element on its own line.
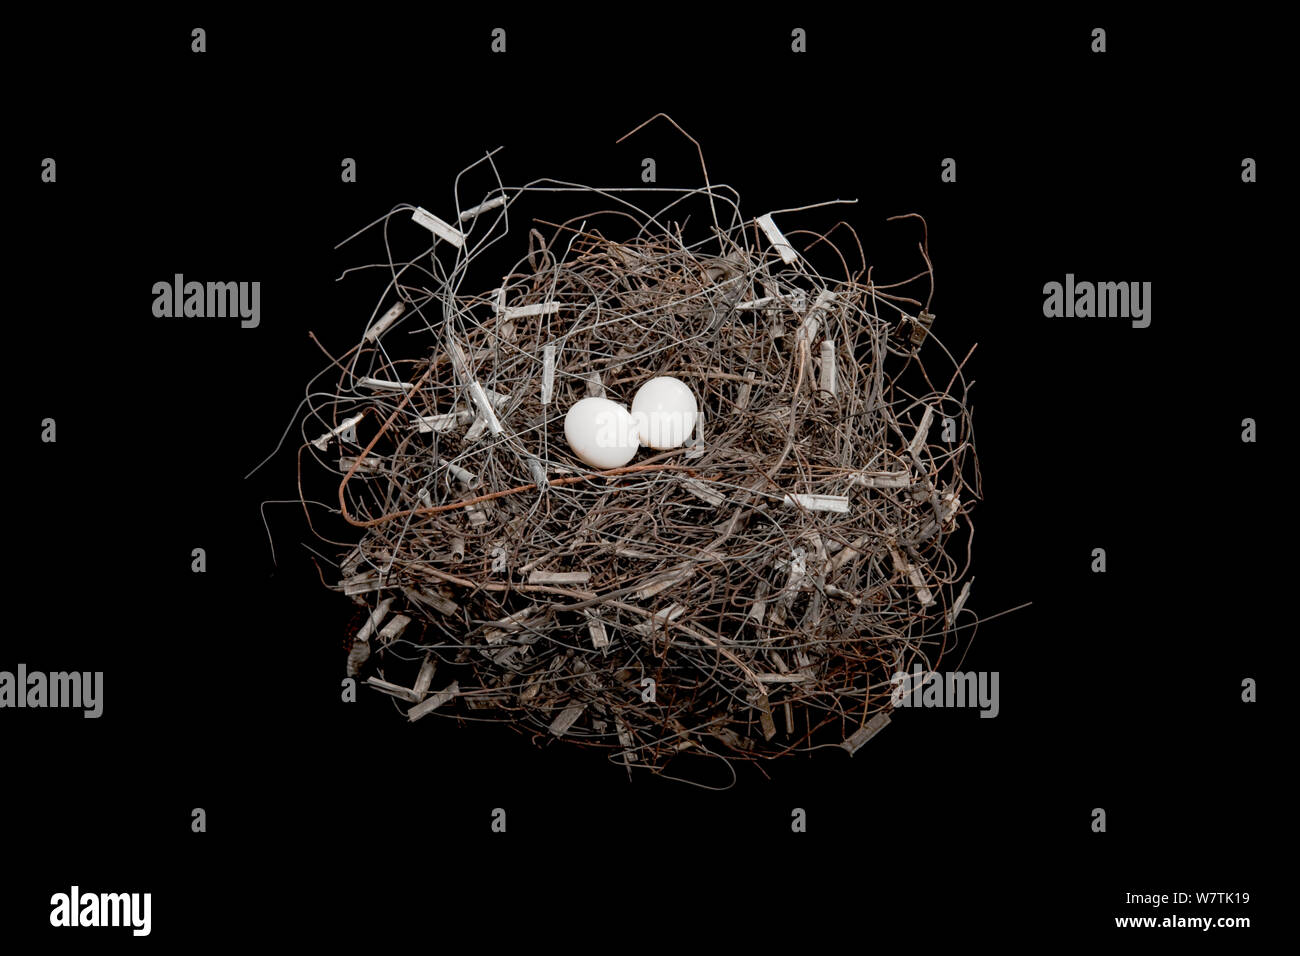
<point x="601" y="433"/>
<point x="665" y="412"/>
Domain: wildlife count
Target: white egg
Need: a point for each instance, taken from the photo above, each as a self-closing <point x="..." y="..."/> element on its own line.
<point x="665" y="412"/>
<point x="601" y="433"/>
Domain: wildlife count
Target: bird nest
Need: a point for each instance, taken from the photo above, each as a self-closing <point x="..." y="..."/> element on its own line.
<point x="748" y="595"/>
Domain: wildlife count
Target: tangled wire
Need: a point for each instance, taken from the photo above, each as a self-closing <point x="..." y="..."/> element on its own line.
<point x="748" y="595"/>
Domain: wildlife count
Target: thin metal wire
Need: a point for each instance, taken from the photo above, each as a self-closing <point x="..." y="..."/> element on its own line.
<point x="767" y="628"/>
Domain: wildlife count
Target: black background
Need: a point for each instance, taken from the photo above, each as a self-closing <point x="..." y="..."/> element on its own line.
<point x="329" y="820"/>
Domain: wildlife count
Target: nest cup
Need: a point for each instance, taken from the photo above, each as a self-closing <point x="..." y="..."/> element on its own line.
<point x="747" y="595"/>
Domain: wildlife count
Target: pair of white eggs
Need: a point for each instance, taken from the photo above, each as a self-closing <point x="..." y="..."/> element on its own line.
<point x="605" y="434"/>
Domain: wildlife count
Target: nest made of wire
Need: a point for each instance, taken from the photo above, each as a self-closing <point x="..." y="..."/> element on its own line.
<point x="746" y="596"/>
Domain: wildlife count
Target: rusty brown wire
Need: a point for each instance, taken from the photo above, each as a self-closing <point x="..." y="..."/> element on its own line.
<point x="766" y="628"/>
